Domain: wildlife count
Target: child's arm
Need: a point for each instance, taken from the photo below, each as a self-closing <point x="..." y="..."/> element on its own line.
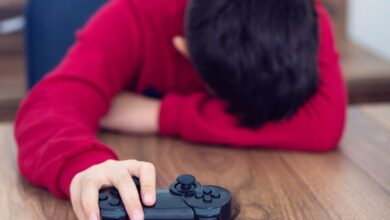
<point x="57" y="122"/>
<point x="316" y="126"/>
<point x="132" y="113"/>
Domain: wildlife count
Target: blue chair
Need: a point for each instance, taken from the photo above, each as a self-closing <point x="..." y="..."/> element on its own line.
<point x="50" y="31"/>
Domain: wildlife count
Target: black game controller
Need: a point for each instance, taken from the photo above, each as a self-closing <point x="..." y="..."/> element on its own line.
<point x="185" y="199"/>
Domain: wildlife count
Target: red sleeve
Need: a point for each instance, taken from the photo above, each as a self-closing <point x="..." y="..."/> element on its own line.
<point x="57" y="122"/>
<point x="316" y="126"/>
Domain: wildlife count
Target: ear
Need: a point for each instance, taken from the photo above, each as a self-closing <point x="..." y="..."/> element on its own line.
<point x="180" y="43"/>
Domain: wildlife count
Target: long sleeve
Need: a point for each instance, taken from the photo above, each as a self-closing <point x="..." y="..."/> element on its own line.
<point x="316" y="126"/>
<point x="57" y="122"/>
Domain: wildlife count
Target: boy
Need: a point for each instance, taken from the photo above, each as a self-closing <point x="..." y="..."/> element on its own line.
<point x="267" y="75"/>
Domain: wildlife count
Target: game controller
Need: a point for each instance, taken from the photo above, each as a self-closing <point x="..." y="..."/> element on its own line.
<point x="186" y="199"/>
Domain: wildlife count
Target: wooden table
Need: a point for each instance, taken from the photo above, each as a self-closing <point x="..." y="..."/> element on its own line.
<point x="352" y="182"/>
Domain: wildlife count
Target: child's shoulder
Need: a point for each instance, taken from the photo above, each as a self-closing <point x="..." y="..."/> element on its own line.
<point x="163" y="16"/>
<point x="158" y="7"/>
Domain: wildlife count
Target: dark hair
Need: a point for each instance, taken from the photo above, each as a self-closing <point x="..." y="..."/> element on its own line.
<point x="260" y="56"/>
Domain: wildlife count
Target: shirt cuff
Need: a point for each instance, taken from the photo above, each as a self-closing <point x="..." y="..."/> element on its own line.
<point x="169" y="114"/>
<point x="80" y="163"/>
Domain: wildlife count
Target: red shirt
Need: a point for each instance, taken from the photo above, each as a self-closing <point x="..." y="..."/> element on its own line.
<point x="128" y="45"/>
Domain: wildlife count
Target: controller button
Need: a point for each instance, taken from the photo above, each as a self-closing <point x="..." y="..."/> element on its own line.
<point x="114" y="191"/>
<point x="115" y="202"/>
<point x="215" y="195"/>
<point x="103" y="196"/>
<point x="198" y="195"/>
<point x="207" y="190"/>
<point x="207" y="198"/>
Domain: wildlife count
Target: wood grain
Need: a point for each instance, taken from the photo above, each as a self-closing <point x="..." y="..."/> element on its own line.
<point x="352" y="182"/>
<point x="19" y="199"/>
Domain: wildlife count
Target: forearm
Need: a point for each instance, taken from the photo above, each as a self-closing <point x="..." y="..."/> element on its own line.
<point x="132" y="113"/>
<point x="51" y="130"/>
<point x="317" y="126"/>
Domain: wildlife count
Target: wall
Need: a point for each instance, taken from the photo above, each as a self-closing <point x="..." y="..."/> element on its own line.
<point x="369" y="25"/>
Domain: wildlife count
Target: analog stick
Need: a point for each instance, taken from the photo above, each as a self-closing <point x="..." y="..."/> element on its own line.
<point x="185" y="182"/>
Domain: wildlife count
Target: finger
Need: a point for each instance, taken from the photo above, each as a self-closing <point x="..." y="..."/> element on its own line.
<point x="147" y="178"/>
<point x="129" y="194"/>
<point x="90" y="198"/>
<point x="75" y="191"/>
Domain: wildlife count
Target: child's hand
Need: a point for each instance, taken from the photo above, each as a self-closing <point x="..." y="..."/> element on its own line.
<point x="85" y="187"/>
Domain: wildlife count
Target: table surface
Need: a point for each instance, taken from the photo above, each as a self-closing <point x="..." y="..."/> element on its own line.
<point x="352" y="182"/>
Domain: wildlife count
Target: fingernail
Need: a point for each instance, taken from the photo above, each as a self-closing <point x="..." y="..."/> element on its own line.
<point x="148" y="198"/>
<point x="93" y="217"/>
<point x="137" y="215"/>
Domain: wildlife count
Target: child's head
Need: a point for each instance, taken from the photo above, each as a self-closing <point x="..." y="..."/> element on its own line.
<point x="260" y="56"/>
